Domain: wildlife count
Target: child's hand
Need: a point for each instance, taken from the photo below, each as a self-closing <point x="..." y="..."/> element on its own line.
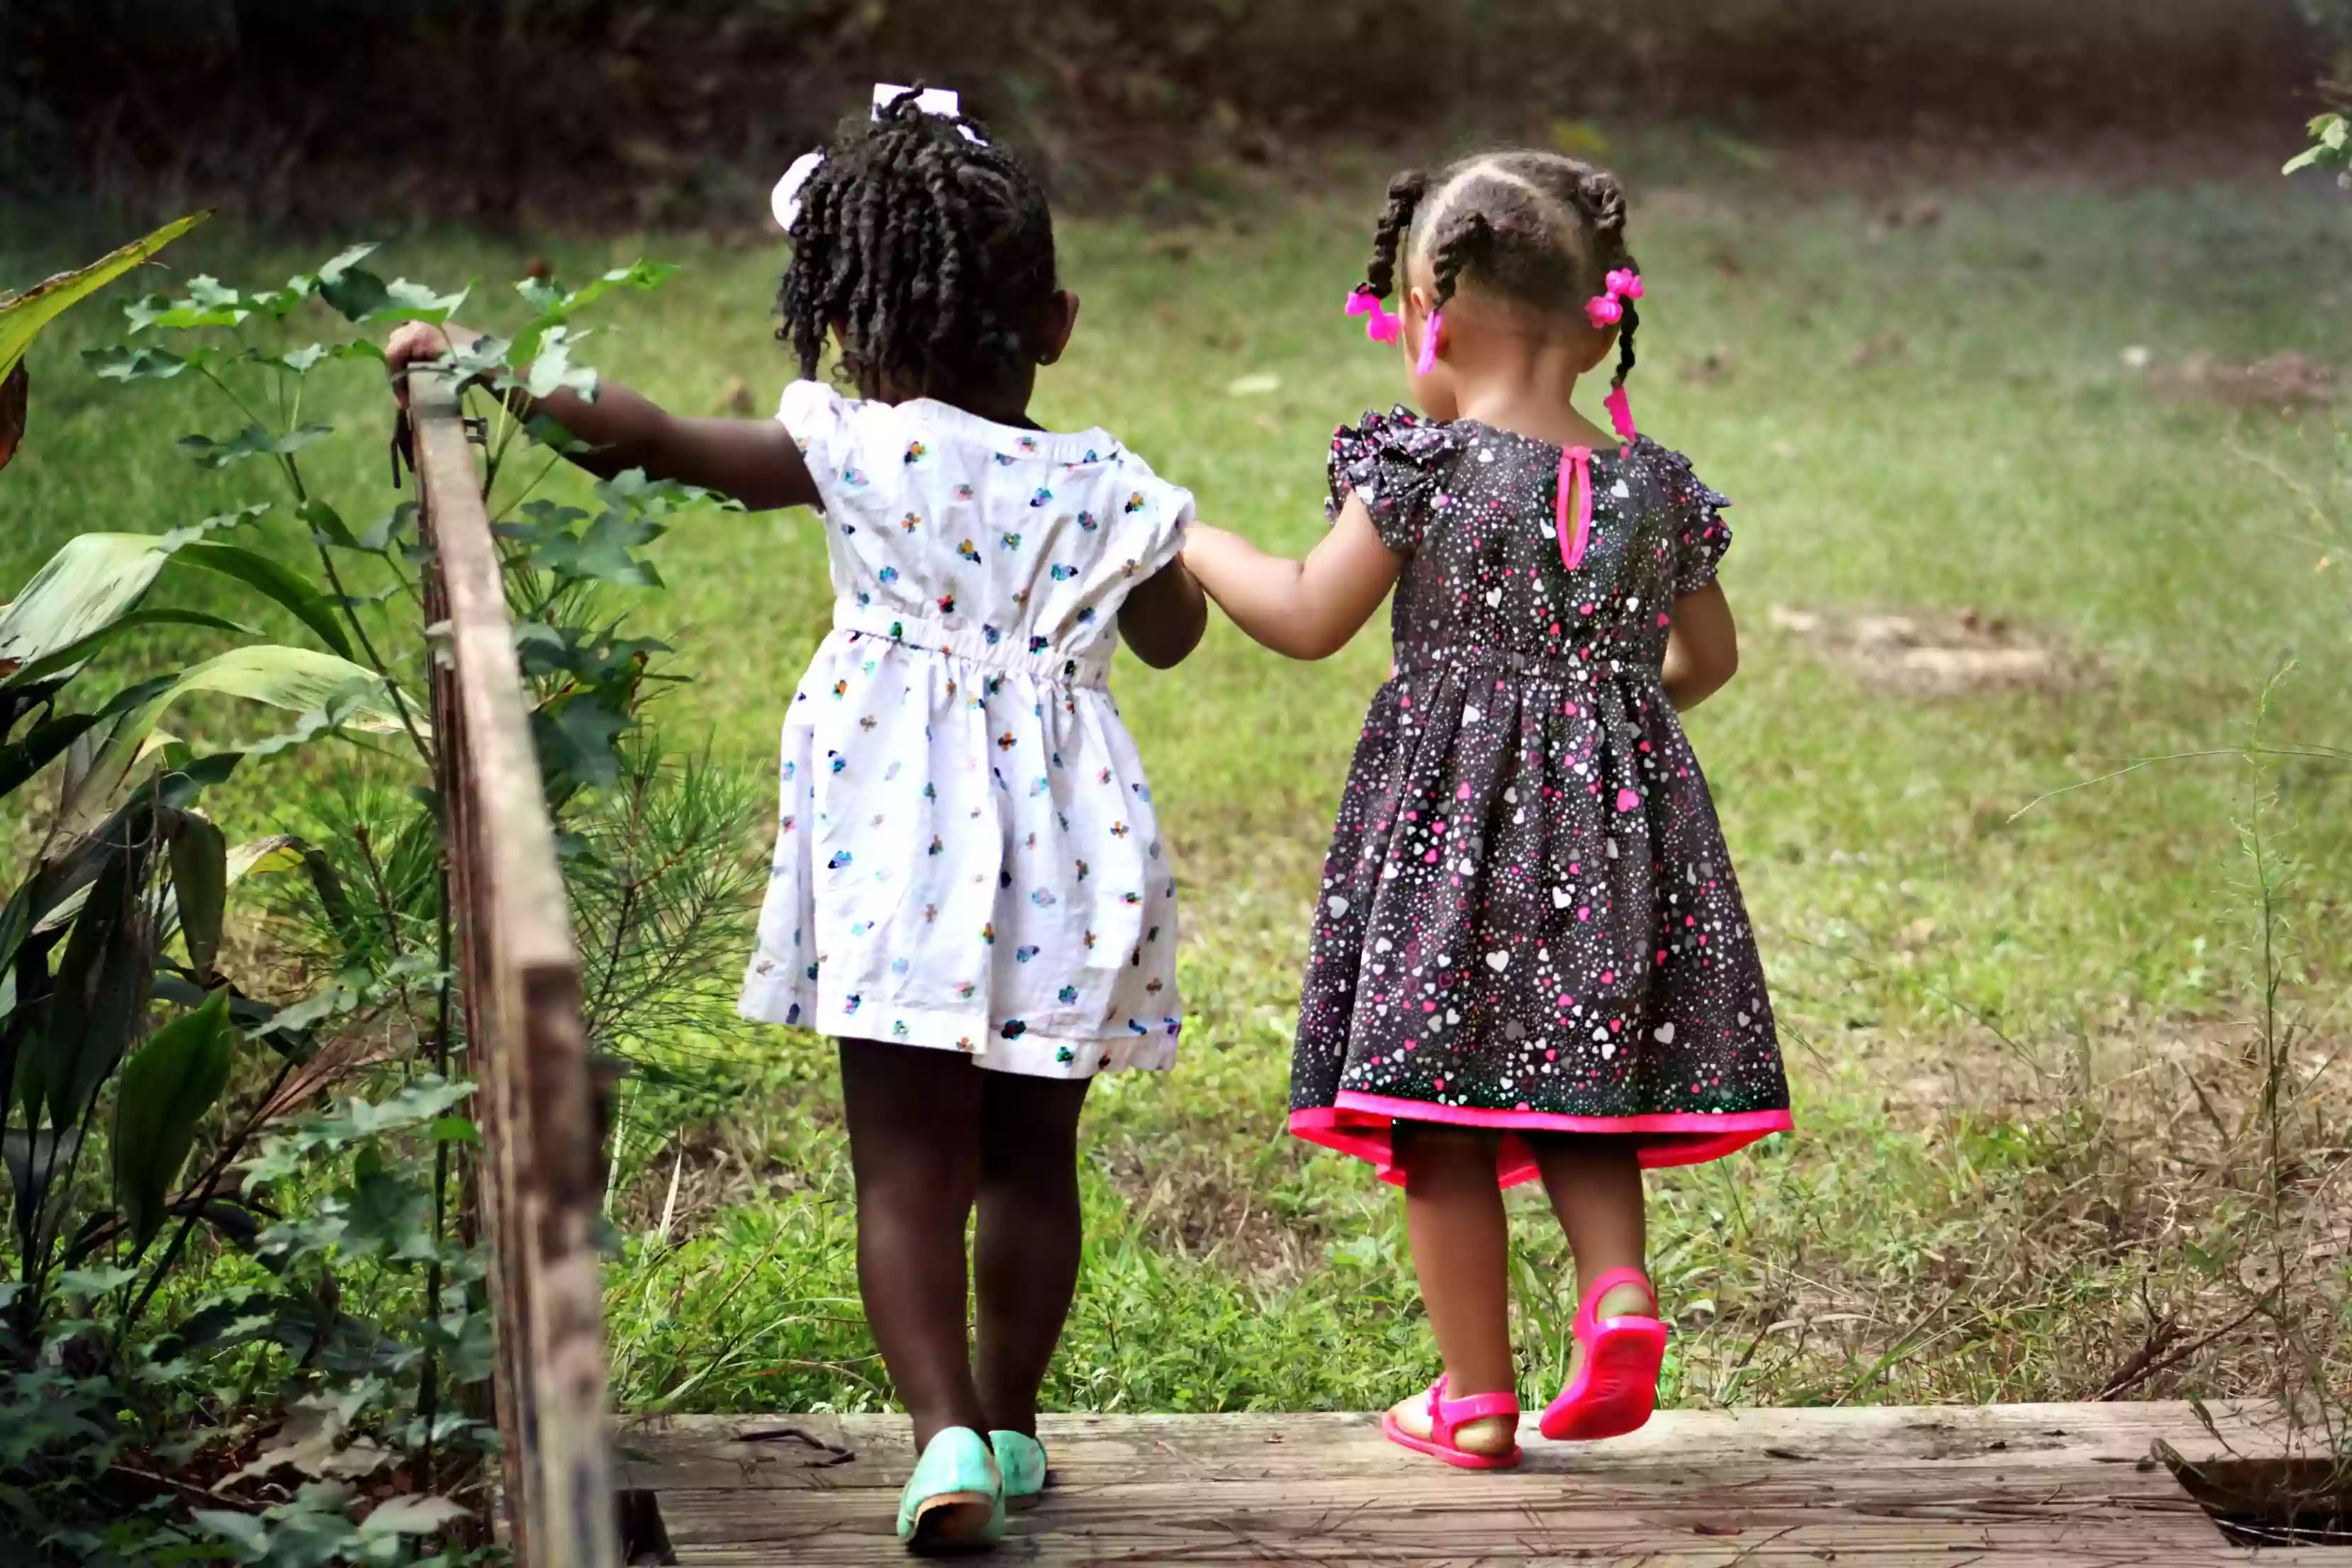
<point x="419" y="342"/>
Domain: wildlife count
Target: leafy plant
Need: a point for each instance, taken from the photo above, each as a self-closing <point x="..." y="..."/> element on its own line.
<point x="22" y="317"/>
<point x="335" y="1286"/>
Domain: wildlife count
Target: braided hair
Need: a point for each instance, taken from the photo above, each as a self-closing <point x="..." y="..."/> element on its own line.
<point x="932" y="252"/>
<point x="1540" y="229"/>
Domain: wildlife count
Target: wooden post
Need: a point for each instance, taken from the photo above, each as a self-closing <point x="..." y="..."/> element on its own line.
<point x="527" y="1044"/>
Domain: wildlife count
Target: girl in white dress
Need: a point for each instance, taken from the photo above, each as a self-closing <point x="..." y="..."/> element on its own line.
<point x="970" y="890"/>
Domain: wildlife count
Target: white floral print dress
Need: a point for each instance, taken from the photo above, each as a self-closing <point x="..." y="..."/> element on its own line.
<point x="966" y="857"/>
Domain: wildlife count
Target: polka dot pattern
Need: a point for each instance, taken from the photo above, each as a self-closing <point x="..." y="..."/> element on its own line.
<point x="1527" y="918"/>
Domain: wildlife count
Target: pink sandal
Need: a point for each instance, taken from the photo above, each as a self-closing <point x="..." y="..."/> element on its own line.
<point x="1447" y="1415"/>
<point x="1616" y="1389"/>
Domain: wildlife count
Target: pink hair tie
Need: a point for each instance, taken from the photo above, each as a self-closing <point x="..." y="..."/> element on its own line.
<point x="1385" y="325"/>
<point x="1428" y="361"/>
<point x="1604" y="309"/>
<point x="1575" y="474"/>
<point x="1621" y="412"/>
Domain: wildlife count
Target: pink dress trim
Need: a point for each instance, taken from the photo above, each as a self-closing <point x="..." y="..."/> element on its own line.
<point x="1358" y="1125"/>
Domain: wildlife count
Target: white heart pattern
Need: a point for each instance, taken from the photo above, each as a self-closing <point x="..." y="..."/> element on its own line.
<point x="1338" y="906"/>
<point x="1664" y="1033"/>
<point x="1499" y="961"/>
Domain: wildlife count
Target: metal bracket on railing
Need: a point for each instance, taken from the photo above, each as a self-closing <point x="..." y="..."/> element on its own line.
<point x="478" y="430"/>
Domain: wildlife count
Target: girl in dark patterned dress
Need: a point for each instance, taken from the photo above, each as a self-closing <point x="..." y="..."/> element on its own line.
<point x="1529" y="955"/>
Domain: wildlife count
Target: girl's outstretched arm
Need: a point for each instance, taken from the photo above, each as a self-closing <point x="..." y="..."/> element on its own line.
<point x="1305" y="609"/>
<point x="1702" y="648"/>
<point x="753" y="461"/>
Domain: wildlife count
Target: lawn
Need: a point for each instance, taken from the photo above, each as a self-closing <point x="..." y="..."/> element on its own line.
<point x="2000" y="1027"/>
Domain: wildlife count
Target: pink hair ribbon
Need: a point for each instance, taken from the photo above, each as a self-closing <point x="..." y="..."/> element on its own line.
<point x="1385" y="325"/>
<point x="1605" y="310"/>
<point x="1428" y="361"/>
<point x="1621" y="412"/>
<point x="1576" y="474"/>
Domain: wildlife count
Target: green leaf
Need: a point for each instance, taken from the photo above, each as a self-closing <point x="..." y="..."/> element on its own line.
<point x="389" y="530"/>
<point x="67" y="661"/>
<point x="603" y="551"/>
<point x="125" y="363"/>
<point x="22" y="318"/>
<point x="93" y="579"/>
<point x="300" y="679"/>
<point x="251" y="442"/>
<point x="43" y="744"/>
<point x="168" y="1086"/>
<point x="357" y="293"/>
<point x="575" y="739"/>
<point x="411" y="1515"/>
<point x="90" y="1284"/>
<point x="552" y="370"/>
<point x="554" y="307"/>
<point x="456" y="1129"/>
<point x="406" y="301"/>
<point x="288" y="587"/>
<point x="327" y="525"/>
<point x="100" y="996"/>
<point x="200" y="882"/>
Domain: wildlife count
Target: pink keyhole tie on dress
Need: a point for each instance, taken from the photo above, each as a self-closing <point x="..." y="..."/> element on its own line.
<point x="1575" y="473"/>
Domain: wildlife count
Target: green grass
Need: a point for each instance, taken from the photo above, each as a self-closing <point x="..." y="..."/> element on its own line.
<point x="1991" y="1020"/>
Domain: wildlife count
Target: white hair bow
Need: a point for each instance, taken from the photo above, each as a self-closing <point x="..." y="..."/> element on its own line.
<point x="786" y="200"/>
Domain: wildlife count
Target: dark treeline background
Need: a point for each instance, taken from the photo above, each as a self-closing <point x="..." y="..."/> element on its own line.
<point x="607" y="110"/>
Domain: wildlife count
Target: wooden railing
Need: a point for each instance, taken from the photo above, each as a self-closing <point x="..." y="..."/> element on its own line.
<point x="538" y="1181"/>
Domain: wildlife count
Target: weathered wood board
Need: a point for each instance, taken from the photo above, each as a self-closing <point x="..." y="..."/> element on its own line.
<point x="2055" y="1486"/>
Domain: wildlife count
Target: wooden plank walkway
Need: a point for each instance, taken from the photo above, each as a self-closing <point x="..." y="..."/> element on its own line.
<point x="2025" y="1486"/>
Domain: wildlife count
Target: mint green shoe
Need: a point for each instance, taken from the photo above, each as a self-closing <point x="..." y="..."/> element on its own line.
<point x="1021" y="1460"/>
<point x="955" y="1500"/>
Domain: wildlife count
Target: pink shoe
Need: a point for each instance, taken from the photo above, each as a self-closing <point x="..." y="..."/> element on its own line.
<point x="1446" y="1414"/>
<point x="1616" y="1389"/>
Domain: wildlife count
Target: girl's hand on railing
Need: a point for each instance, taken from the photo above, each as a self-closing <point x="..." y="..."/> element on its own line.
<point x="418" y="342"/>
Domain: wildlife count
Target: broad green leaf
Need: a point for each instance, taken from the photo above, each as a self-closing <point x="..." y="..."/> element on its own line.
<point x="15" y="399"/>
<point x="410" y="1515"/>
<point x="576" y="741"/>
<point x="200" y="888"/>
<point x="90" y="580"/>
<point x="167" y="1087"/>
<point x="22" y="318"/>
<point x="70" y="659"/>
<point x="281" y="583"/>
<point x="300" y="679"/>
<point x="38" y="747"/>
<point x="102" y="987"/>
<point x="90" y="1284"/>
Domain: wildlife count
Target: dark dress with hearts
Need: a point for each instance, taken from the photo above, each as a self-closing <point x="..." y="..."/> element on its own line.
<point x="1528" y="921"/>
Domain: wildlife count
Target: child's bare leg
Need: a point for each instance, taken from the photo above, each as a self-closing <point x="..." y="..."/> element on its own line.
<point x="1461" y="1243"/>
<point x="1595" y="1186"/>
<point x="914" y="1144"/>
<point x="1025" y="1252"/>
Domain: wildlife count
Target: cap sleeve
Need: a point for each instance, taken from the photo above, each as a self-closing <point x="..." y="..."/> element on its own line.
<point x="1392" y="462"/>
<point x="1167" y="509"/>
<point x="1701" y="536"/>
<point x="818" y="418"/>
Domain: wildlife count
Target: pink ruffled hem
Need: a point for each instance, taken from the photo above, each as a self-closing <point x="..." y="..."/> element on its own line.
<point x="1359" y="1124"/>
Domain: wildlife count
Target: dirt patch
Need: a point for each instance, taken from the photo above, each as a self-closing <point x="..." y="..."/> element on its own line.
<point x="1206" y="1207"/>
<point x="2284" y="381"/>
<point x="1933" y="653"/>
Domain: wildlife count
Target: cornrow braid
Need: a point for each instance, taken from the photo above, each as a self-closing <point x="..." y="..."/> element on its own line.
<point x="1404" y="196"/>
<point x="1472" y="239"/>
<point x="931" y="251"/>
<point x="1538" y="229"/>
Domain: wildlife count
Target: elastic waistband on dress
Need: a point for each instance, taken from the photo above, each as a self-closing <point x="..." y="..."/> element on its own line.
<point x="975" y="643"/>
